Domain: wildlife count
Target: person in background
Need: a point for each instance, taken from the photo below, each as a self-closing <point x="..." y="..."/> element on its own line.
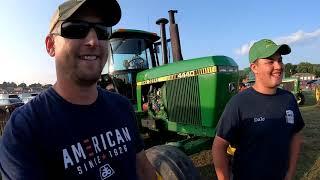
<point x="242" y="86"/>
<point x="262" y="122"/>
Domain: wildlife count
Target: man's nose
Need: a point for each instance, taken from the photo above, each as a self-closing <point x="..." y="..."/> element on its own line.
<point x="92" y="38"/>
<point x="278" y="65"/>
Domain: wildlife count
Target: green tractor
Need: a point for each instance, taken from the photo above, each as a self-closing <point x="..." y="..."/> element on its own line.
<point x="178" y="102"/>
<point x="293" y="85"/>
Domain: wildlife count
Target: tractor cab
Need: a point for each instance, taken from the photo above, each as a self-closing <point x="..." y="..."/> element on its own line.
<point x="132" y="51"/>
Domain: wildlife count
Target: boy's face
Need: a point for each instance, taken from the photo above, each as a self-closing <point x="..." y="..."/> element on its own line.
<point x="268" y="71"/>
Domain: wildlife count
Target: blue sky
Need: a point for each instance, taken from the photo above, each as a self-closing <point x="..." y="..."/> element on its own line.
<point x="207" y="27"/>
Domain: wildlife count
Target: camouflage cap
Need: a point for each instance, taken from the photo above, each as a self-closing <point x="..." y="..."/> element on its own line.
<point x="266" y="48"/>
<point x="109" y="10"/>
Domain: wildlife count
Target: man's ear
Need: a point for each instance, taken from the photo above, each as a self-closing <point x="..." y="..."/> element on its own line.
<point x="253" y="67"/>
<point x="50" y="45"/>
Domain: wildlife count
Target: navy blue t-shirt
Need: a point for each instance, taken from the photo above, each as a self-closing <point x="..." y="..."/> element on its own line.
<point x="50" y="138"/>
<point x="261" y="128"/>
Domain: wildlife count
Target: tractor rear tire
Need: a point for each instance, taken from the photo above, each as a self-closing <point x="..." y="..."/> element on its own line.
<point x="171" y="163"/>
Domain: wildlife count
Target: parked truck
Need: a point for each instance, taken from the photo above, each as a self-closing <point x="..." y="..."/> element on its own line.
<point x="178" y="102"/>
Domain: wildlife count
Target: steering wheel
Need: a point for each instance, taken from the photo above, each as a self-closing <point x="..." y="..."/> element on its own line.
<point x="136" y="61"/>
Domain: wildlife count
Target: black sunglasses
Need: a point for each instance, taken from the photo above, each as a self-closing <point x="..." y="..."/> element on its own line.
<point x="80" y="29"/>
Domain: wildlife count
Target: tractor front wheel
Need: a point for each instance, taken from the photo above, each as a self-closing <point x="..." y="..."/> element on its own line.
<point x="171" y="163"/>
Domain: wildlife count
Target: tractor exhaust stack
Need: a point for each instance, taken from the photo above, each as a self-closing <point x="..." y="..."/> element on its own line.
<point x="175" y="38"/>
<point x="162" y="22"/>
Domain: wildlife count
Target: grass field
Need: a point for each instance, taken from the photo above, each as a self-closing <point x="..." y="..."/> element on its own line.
<point x="308" y="167"/>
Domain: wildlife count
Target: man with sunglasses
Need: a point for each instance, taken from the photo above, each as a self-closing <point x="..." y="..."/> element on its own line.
<point x="76" y="130"/>
<point x="262" y="122"/>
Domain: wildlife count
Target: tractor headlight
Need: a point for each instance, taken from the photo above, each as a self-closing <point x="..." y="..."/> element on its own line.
<point x="227" y="69"/>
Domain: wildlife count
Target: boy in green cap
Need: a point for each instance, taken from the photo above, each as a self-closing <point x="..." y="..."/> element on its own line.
<point x="262" y="122"/>
<point x="76" y="130"/>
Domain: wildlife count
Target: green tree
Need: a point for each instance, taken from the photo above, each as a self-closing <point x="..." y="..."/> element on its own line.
<point x="305" y="67"/>
<point x="23" y="85"/>
<point x="10" y="84"/>
<point x="290" y="69"/>
<point x="35" y="85"/>
<point x="47" y="86"/>
<point x="244" y="73"/>
<point x="316" y="70"/>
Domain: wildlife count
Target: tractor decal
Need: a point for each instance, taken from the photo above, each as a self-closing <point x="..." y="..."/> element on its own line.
<point x="207" y="70"/>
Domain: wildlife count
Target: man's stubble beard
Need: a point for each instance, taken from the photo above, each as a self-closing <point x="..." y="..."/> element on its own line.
<point x="80" y="76"/>
<point x="85" y="80"/>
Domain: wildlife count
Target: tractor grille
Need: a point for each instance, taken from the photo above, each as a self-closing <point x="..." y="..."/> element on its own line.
<point x="184" y="101"/>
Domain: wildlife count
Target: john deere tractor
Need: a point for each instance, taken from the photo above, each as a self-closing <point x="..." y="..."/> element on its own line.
<point x="293" y="85"/>
<point x="178" y="102"/>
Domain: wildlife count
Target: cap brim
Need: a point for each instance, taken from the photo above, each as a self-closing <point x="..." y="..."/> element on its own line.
<point x="284" y="49"/>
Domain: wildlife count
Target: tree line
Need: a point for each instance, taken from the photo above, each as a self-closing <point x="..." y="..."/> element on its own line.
<point x="23" y="85"/>
<point x="303" y="67"/>
<point x="291" y="69"/>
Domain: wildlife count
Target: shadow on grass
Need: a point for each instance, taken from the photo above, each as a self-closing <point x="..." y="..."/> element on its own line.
<point x="207" y="172"/>
<point x="308" y="167"/>
<point x="309" y="161"/>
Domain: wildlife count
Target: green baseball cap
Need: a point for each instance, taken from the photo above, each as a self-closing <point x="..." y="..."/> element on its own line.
<point x="109" y="10"/>
<point x="266" y="48"/>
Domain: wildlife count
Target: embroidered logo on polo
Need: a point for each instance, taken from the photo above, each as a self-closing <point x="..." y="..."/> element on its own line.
<point x="289" y="117"/>
<point x="91" y="152"/>
<point x="106" y="171"/>
<point x="259" y="119"/>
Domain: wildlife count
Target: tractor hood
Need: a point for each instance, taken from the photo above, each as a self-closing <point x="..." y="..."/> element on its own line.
<point x="186" y="65"/>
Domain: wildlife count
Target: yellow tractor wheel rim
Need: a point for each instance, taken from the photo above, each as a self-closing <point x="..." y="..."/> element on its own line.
<point x="318" y="93"/>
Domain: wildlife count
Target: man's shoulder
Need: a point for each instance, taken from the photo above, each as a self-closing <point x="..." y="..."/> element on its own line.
<point x="24" y="117"/>
<point x="38" y="100"/>
<point x="34" y="105"/>
<point x="113" y="97"/>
